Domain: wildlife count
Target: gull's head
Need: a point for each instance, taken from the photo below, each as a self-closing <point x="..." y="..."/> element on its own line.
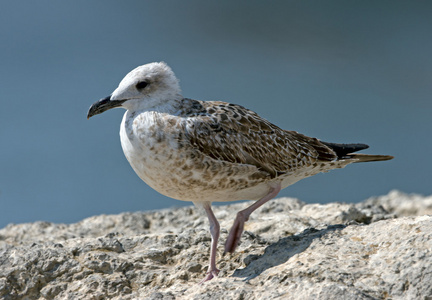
<point x="145" y="87"/>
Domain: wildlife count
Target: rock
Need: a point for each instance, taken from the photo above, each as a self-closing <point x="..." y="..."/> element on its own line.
<point x="380" y="248"/>
<point x="403" y="204"/>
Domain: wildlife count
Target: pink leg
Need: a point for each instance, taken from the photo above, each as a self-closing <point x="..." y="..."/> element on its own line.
<point x="214" y="230"/>
<point x="243" y="215"/>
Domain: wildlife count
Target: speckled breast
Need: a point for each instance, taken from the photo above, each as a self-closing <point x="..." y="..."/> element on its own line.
<point x="158" y="150"/>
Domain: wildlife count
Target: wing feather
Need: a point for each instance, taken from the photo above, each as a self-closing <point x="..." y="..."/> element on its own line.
<point x="235" y="134"/>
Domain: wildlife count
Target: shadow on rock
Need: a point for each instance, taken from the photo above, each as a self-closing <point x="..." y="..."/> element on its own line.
<point x="281" y="251"/>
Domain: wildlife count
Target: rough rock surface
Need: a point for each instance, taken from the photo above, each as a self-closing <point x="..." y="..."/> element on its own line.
<point x="377" y="249"/>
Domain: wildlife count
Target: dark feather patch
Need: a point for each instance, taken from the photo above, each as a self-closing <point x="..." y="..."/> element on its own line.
<point x="342" y="150"/>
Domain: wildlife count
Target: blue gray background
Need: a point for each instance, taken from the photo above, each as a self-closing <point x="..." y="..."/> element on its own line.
<point x="342" y="71"/>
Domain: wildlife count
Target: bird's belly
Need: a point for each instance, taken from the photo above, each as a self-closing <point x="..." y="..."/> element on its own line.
<point x="184" y="173"/>
<point x="183" y="178"/>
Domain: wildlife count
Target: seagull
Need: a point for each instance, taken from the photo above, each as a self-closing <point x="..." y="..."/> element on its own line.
<point x="209" y="151"/>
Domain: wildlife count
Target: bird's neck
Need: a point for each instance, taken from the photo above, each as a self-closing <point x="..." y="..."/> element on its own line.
<point x="166" y="106"/>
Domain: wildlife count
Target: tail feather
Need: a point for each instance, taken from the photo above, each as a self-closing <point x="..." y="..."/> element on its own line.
<point x="369" y="157"/>
<point x="345" y="151"/>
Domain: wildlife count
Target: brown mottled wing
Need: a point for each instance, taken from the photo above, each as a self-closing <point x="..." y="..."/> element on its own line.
<point x="235" y="134"/>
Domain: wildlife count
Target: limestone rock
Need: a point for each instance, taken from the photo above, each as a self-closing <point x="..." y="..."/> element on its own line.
<point x="403" y="204"/>
<point x="289" y="250"/>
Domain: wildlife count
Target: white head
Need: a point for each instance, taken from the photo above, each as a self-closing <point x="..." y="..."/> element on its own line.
<point x="144" y="87"/>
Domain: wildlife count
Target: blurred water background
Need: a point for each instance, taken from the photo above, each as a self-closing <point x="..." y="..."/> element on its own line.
<point x="342" y="71"/>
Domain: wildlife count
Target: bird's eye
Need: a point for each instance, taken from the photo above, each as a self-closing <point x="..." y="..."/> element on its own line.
<point x="141" y="85"/>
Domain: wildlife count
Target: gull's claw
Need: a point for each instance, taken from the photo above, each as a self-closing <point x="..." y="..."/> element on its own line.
<point x="210" y="275"/>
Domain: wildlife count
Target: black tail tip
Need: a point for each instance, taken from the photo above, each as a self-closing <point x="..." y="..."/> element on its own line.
<point x="344" y="149"/>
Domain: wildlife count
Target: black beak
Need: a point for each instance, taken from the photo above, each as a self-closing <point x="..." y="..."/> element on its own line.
<point x="103" y="105"/>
